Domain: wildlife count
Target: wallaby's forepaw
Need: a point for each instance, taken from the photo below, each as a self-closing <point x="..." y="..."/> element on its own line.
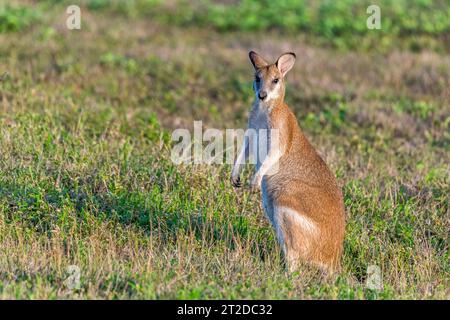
<point x="236" y="181"/>
<point x="256" y="182"/>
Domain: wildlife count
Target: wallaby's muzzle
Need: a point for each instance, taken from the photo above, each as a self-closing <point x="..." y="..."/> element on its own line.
<point x="262" y="95"/>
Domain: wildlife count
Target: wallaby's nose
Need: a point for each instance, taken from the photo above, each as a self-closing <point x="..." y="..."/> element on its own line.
<point x="262" y="95"/>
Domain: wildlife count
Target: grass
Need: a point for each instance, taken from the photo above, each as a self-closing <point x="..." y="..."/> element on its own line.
<point x="15" y="18"/>
<point x="86" y="177"/>
<point x="341" y="24"/>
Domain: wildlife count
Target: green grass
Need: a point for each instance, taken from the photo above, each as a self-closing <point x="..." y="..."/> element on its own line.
<point x="415" y="25"/>
<point x="15" y="18"/>
<point x="86" y="177"/>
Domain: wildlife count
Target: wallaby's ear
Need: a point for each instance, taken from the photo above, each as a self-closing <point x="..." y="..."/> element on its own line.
<point x="285" y="62"/>
<point x="257" y="61"/>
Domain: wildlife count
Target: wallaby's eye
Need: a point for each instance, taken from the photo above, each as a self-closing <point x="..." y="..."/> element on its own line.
<point x="276" y="80"/>
<point x="257" y="79"/>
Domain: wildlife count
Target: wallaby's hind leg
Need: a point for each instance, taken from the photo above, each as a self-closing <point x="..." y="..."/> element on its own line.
<point x="297" y="235"/>
<point x="302" y="242"/>
<point x="293" y="261"/>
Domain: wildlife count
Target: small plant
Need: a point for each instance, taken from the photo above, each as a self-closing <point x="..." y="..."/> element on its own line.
<point x="420" y="109"/>
<point x="115" y="60"/>
<point x="16" y="18"/>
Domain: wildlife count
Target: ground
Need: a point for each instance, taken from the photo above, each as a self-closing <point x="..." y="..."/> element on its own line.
<point x="86" y="178"/>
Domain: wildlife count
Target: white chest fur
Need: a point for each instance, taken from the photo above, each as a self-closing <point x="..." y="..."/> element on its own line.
<point x="259" y="135"/>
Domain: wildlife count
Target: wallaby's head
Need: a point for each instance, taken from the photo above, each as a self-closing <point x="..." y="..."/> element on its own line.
<point x="269" y="78"/>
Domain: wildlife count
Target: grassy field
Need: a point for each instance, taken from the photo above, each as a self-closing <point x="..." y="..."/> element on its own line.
<point x="85" y="138"/>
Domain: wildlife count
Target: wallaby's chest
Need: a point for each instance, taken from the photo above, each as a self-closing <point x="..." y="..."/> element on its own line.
<point x="259" y="119"/>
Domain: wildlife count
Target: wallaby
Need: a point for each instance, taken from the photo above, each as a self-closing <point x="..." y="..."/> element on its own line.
<point x="301" y="197"/>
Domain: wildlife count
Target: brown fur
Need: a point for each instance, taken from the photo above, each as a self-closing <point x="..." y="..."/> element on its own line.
<point x="303" y="183"/>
